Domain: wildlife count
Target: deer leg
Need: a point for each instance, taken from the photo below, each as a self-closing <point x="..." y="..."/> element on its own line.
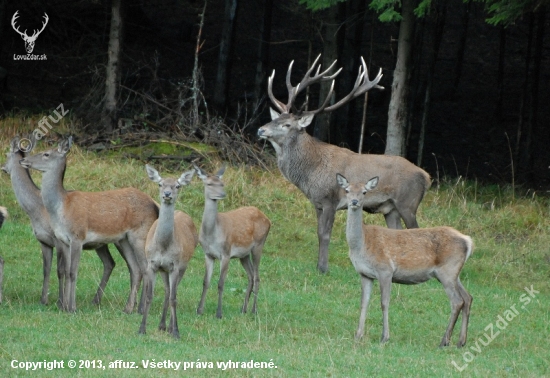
<point x="60" y="252"/>
<point x="209" y="268"/>
<point x="127" y="253"/>
<point x="457" y="304"/>
<point x="366" y="289"/>
<point x="166" y="280"/>
<point x="224" y="266"/>
<point x="325" y="220"/>
<point x="465" y="314"/>
<point x="148" y="289"/>
<point x="47" y="255"/>
<point x="409" y="217"/>
<point x="72" y="263"/>
<point x="393" y="219"/>
<point x="175" y="278"/>
<point x="385" y="291"/>
<point x="256" y="257"/>
<point x="247" y="265"/>
<point x="108" y="266"/>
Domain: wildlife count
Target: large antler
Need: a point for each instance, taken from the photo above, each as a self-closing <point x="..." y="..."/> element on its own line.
<point x="306" y="81"/>
<point x="36" y="33"/>
<point x="362" y="85"/>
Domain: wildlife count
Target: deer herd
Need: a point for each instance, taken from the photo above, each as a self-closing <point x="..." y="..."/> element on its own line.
<point x="153" y="237"/>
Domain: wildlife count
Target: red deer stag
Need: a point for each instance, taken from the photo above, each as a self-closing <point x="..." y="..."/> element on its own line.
<point x="406" y="257"/>
<point x="311" y="165"/>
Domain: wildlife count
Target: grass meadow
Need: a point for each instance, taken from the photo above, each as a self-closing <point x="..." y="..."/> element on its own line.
<point x="306" y="321"/>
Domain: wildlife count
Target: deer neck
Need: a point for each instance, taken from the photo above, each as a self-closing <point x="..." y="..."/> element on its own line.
<point x="209" y="224"/>
<point x="299" y="156"/>
<point x="165" y="226"/>
<point x="354" y="230"/>
<point x="53" y="192"/>
<point x="26" y="191"/>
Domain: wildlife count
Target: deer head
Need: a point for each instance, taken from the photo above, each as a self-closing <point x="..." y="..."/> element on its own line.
<point x="29" y="40"/>
<point x="284" y="121"/>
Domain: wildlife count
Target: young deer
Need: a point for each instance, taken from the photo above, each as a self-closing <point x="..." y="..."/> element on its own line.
<point x="239" y="233"/>
<point x="170" y="244"/>
<point x="29" y="198"/>
<point x="3" y="216"/>
<point x="122" y="217"/>
<point x="405" y="256"/>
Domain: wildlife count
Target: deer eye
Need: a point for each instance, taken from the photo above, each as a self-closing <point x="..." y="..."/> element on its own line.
<point x="364" y="191"/>
<point x="178" y="186"/>
<point x="347" y="190"/>
<point x="46" y="154"/>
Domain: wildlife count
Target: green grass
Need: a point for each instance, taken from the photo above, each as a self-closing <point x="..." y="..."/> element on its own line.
<point x="306" y="321"/>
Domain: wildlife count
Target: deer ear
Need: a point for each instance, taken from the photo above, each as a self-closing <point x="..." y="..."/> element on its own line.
<point x="65" y="145"/>
<point x="305" y="120"/>
<point x="202" y="174"/>
<point x="221" y="172"/>
<point x="342" y="181"/>
<point x="372" y="183"/>
<point x="152" y="173"/>
<point x="274" y="114"/>
<point x="14" y="144"/>
<point x="185" y="178"/>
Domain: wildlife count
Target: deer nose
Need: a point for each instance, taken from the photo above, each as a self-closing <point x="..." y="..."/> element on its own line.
<point x="354" y="202"/>
<point x="168" y="194"/>
<point x="261" y="132"/>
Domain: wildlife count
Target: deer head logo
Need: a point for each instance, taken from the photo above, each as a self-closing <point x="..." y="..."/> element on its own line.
<point x="29" y="40"/>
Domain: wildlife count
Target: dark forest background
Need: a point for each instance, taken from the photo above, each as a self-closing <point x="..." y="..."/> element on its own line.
<point x="487" y="115"/>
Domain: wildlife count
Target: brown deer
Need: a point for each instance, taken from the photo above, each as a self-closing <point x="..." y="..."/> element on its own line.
<point x="3" y="216"/>
<point x="29" y="198"/>
<point x="404" y="256"/>
<point x="170" y="244"/>
<point x="239" y="233"/>
<point x="311" y="165"/>
<point x="122" y="217"/>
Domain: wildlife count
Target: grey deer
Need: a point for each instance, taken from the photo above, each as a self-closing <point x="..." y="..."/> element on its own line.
<point x="240" y="233"/>
<point x="311" y="165"/>
<point x="406" y="257"/>
<point x="3" y="216"/>
<point x="170" y="245"/>
<point x="122" y="216"/>
<point x="29" y="198"/>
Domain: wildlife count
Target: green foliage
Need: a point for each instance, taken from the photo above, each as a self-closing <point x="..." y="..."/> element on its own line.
<point x="506" y="12"/>
<point x="389" y="10"/>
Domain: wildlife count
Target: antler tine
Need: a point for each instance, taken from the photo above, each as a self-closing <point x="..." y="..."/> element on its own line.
<point x="362" y="85"/>
<point x="325" y="103"/>
<point x="278" y="104"/>
<point x="308" y="79"/>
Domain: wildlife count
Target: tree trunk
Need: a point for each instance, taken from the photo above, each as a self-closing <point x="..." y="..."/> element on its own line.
<point x="461" y="45"/>
<point x="109" y="115"/>
<point x="263" y="50"/>
<point x="526" y="167"/>
<point x="500" y="73"/>
<point x="397" y="114"/>
<point x="330" y="53"/>
<point x="221" y="86"/>
<point x="440" y="14"/>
